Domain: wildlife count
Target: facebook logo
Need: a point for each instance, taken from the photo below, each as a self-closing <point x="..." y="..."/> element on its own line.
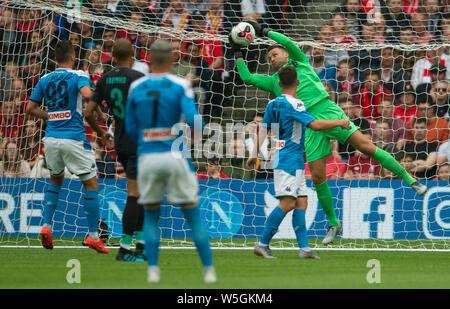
<point x="436" y="213"/>
<point x="368" y="213"/>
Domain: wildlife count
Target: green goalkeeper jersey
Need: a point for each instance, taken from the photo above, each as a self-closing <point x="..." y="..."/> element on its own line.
<point x="310" y="90"/>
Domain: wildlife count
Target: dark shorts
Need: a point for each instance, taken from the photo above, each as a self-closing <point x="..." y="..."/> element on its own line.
<point x="129" y="164"/>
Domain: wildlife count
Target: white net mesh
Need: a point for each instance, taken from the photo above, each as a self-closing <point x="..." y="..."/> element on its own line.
<point x="384" y="62"/>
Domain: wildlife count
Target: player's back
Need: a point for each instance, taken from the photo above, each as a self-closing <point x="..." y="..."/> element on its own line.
<point x="158" y="102"/>
<point x="292" y="118"/>
<point x="114" y="87"/>
<point x="60" y="91"/>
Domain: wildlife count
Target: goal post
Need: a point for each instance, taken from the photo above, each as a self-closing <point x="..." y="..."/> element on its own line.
<point x="377" y="211"/>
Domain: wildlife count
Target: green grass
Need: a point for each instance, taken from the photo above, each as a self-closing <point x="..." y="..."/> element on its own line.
<point x="237" y="269"/>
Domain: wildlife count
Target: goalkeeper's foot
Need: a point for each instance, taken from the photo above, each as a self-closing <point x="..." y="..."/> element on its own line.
<point x="153" y="274"/>
<point x="263" y="251"/>
<point x="332" y="232"/>
<point x="46" y="238"/>
<point x="97" y="245"/>
<point x="209" y="275"/>
<point x="420" y="188"/>
<point x="125" y="255"/>
<point x="307" y="254"/>
<point x="139" y="252"/>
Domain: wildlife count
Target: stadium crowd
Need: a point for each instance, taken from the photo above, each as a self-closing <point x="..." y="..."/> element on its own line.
<point x="399" y="97"/>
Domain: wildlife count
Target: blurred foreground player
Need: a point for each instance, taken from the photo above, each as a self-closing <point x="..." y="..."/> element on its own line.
<point x="155" y="104"/>
<point x="65" y="141"/>
<point x="113" y="87"/>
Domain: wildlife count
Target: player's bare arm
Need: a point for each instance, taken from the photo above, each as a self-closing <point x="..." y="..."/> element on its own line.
<point x="260" y="137"/>
<point x="33" y="109"/>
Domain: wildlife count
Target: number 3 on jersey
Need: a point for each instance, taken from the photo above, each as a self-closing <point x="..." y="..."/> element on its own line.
<point x="117" y="96"/>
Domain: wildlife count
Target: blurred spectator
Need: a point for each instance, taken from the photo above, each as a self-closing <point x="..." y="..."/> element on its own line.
<point x="391" y="73"/>
<point x="236" y="164"/>
<point x="106" y="166"/>
<point x="325" y="72"/>
<point x="370" y="95"/>
<point x="446" y="35"/>
<point x="19" y="95"/>
<point x="108" y="42"/>
<point x="438" y="72"/>
<point x="146" y="40"/>
<point x="405" y="160"/>
<point x="421" y="70"/>
<point x="25" y="20"/>
<point x="215" y="17"/>
<point x="353" y="113"/>
<point x="434" y="11"/>
<point x="12" y="164"/>
<point x="335" y="167"/>
<point x="100" y="10"/>
<point x="345" y="76"/>
<point x="213" y="170"/>
<point x="85" y="28"/>
<point x="441" y="99"/>
<point x="50" y="33"/>
<point x="13" y="41"/>
<point x="138" y="64"/>
<point x="75" y="39"/>
<point x="253" y="9"/>
<point x="354" y="16"/>
<point x="368" y="58"/>
<point x="332" y="56"/>
<point x="396" y="19"/>
<point x="331" y="91"/>
<point x="340" y="30"/>
<point x="11" y="122"/>
<point x="278" y="11"/>
<point x="405" y="108"/>
<point x="92" y="64"/>
<point x="361" y="166"/>
<point x="424" y="152"/>
<point x="201" y="80"/>
<point x="136" y="17"/>
<point x="30" y="143"/>
<point x="382" y="135"/>
<point x="176" y="16"/>
<point x="379" y="35"/>
<point x="12" y="69"/>
<point x="419" y="26"/>
<point x="31" y="72"/>
<point x="179" y="66"/>
<point x="40" y="170"/>
<point x="398" y="129"/>
<point x="437" y="128"/>
<point x="196" y="5"/>
<point x="444" y="152"/>
<point x="443" y="173"/>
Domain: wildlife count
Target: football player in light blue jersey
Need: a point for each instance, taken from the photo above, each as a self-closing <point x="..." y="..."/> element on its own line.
<point x="287" y="115"/>
<point x="155" y="104"/>
<point x="62" y="92"/>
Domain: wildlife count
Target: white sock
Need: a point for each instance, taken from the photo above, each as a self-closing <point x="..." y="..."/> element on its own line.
<point x="264" y="245"/>
<point x="307" y="249"/>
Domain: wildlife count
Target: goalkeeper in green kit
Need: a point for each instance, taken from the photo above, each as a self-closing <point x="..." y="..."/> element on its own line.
<point x="316" y="99"/>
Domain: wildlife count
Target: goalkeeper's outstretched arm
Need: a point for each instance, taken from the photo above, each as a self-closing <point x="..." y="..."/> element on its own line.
<point x="295" y="53"/>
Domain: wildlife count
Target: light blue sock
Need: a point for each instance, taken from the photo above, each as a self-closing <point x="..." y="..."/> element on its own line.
<point x="299" y="225"/>
<point x="152" y="235"/>
<point x="51" y="197"/>
<point x="272" y="223"/>
<point x="91" y="210"/>
<point x="199" y="234"/>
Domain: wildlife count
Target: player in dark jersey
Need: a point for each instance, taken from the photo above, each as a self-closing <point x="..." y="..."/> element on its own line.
<point x="113" y="87"/>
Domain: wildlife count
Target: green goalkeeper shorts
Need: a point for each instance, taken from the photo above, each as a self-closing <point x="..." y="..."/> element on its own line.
<point x="317" y="143"/>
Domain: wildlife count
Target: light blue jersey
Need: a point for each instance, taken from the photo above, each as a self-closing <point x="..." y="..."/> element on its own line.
<point x="156" y="102"/>
<point x="60" y="91"/>
<point x="292" y="118"/>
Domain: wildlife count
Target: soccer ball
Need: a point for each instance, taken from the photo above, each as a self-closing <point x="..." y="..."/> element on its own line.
<point x="243" y="34"/>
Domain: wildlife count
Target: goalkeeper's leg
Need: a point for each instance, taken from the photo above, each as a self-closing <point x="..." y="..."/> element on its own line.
<point x="360" y="142"/>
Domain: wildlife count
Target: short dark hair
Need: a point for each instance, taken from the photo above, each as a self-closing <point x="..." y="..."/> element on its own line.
<point x="344" y="97"/>
<point x="419" y="120"/>
<point x="400" y="155"/>
<point x="63" y="51"/>
<point x="288" y="76"/>
<point x="275" y="46"/>
<point x="372" y="72"/>
<point x="122" y="49"/>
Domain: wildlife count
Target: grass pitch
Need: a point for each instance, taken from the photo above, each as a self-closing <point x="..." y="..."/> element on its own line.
<point x="236" y="269"/>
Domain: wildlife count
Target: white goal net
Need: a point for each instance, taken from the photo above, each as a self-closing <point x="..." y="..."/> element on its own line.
<point x="385" y="63"/>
